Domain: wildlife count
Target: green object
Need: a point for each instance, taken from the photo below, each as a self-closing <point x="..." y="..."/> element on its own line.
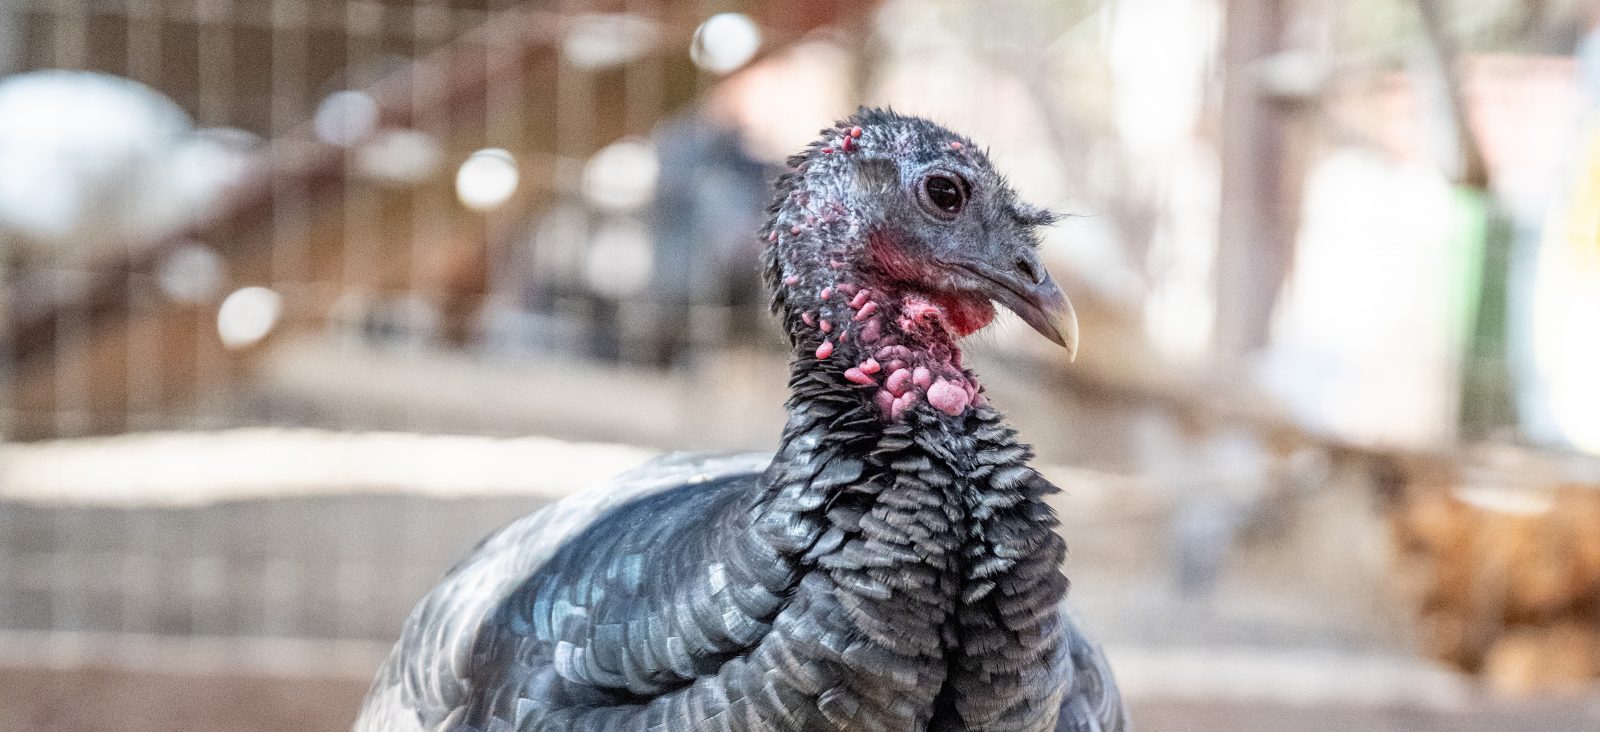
<point x="1482" y="243"/>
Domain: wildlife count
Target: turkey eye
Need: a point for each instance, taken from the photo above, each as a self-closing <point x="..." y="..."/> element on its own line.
<point x="945" y="194"/>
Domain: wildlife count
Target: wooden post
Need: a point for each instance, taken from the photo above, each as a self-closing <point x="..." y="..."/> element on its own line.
<point x="1260" y="188"/>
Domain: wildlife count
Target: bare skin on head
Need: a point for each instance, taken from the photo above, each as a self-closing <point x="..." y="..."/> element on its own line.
<point x="890" y="243"/>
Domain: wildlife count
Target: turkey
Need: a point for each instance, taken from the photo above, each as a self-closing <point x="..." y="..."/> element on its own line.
<point x="892" y="567"/>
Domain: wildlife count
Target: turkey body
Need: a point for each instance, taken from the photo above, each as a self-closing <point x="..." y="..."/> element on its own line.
<point x="893" y="566"/>
<point x="702" y="592"/>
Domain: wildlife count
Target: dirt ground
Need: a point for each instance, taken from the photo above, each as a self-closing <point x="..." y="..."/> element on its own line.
<point x="101" y="700"/>
<point x="86" y="700"/>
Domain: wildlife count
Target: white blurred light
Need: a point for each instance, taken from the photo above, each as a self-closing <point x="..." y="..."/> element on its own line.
<point x="486" y="179"/>
<point x="248" y="315"/>
<point x="621" y="176"/>
<point x="1516" y="500"/>
<point x="618" y="264"/>
<point x="191" y="469"/>
<point x="1292" y="74"/>
<point x="69" y="142"/>
<point x="725" y="42"/>
<point x="95" y="166"/>
<point x="191" y="273"/>
<point x="399" y="157"/>
<point x="603" y="40"/>
<point x="345" y="117"/>
<point x="1158" y="53"/>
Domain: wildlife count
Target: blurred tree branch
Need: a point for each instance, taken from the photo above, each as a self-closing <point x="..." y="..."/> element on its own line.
<point x="1473" y="171"/>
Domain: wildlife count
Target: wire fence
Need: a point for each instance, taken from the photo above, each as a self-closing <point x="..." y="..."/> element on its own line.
<point x="246" y="192"/>
<point x="478" y="177"/>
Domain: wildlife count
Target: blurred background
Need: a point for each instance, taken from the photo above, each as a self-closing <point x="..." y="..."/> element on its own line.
<point x="303" y="297"/>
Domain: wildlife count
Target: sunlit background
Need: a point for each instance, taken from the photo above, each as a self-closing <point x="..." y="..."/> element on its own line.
<point x="303" y="297"/>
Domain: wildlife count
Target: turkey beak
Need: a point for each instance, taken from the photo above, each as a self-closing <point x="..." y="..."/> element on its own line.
<point x="1030" y="292"/>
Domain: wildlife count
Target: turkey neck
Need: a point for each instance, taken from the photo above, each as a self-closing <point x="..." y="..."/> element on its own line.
<point x="909" y="515"/>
